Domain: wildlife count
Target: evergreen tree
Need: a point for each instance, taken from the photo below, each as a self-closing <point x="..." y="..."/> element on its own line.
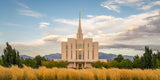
<point x="39" y="60"/>
<point x="154" y="61"/>
<point x="158" y="63"/>
<point x="11" y="56"/>
<point x="119" y="58"/>
<point x="158" y="55"/>
<point x="1" y="62"/>
<point x="18" y="60"/>
<point x="147" y="58"/>
<point x="135" y="57"/>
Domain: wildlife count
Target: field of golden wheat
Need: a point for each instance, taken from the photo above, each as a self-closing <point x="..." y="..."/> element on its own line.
<point x="43" y="73"/>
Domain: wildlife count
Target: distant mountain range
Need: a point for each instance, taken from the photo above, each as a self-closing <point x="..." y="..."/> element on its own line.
<point x="112" y="56"/>
<point x="53" y="56"/>
<point x="101" y="56"/>
<point x="25" y="56"/>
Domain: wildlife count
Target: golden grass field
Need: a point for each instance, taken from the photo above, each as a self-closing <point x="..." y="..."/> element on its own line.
<point x="43" y="73"/>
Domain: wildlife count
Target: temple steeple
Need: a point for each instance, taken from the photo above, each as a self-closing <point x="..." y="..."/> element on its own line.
<point x="79" y="29"/>
<point x="79" y="33"/>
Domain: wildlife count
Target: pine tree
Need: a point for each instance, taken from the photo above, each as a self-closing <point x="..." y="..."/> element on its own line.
<point x="158" y="55"/>
<point x="147" y="58"/>
<point x="135" y="57"/>
<point x="154" y="61"/>
<point x="119" y="58"/>
<point x="11" y="56"/>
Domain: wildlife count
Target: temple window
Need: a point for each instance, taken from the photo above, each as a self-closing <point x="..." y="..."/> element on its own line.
<point x="79" y="46"/>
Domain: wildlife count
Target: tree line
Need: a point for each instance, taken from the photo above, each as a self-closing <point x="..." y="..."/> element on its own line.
<point x="147" y="60"/>
<point x="11" y="57"/>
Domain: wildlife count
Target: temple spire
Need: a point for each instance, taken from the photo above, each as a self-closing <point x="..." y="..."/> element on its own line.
<point x="79" y="29"/>
<point x="79" y="33"/>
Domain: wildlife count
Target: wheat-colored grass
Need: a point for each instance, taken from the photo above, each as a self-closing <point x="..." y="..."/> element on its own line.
<point x="43" y="73"/>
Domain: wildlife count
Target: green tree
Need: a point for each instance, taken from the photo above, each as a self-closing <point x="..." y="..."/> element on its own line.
<point x="30" y="62"/>
<point x="137" y="63"/>
<point x="38" y="60"/>
<point x="158" y="63"/>
<point x="113" y="63"/>
<point x="50" y="64"/>
<point x="154" y="61"/>
<point x="119" y="58"/>
<point x="99" y="64"/>
<point x="135" y="57"/>
<point x="158" y="59"/>
<point x="18" y="60"/>
<point x="158" y="55"/>
<point x="1" y="62"/>
<point x="11" y="56"/>
<point x="126" y="63"/>
<point x="147" y="58"/>
<point x="61" y="64"/>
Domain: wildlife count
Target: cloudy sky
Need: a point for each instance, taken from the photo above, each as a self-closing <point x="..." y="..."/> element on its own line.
<point x="37" y="27"/>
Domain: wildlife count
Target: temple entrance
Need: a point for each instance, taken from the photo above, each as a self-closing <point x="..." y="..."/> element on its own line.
<point x="79" y="65"/>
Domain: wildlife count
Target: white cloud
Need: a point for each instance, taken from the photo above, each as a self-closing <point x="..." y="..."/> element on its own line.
<point x="109" y="24"/>
<point x="34" y="43"/>
<point x="110" y="6"/>
<point x="150" y="5"/>
<point x="30" y="13"/>
<point x="42" y="41"/>
<point x="46" y="45"/>
<point x="53" y="38"/>
<point x="90" y="16"/>
<point x="115" y="5"/>
<point x="106" y="28"/>
<point x="27" y="11"/>
<point x="22" y="5"/>
<point x="44" y="24"/>
<point x="72" y="22"/>
<point x="157" y="2"/>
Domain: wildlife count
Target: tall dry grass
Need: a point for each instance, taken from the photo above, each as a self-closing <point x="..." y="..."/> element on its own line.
<point x="43" y="73"/>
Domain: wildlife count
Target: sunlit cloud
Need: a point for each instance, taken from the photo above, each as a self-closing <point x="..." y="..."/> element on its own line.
<point x="46" y="45"/>
<point x="90" y="16"/>
<point x="109" y="30"/>
<point x="71" y="22"/>
<point x="44" y="24"/>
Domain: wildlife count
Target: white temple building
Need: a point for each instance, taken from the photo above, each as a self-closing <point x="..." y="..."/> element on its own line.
<point x="80" y="52"/>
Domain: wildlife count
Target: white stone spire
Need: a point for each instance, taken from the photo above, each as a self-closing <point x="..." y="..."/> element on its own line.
<point x="79" y="33"/>
<point x="79" y="29"/>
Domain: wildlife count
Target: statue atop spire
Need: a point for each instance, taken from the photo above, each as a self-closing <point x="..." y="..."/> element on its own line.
<point x="79" y="33"/>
